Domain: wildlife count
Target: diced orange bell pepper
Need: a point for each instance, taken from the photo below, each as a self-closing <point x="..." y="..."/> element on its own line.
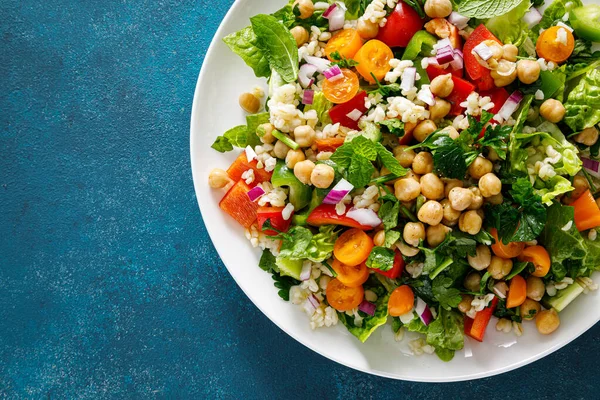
<point x="237" y="204"/>
<point x="475" y="328"/>
<point x="241" y="165"/>
<point x="587" y="213"/>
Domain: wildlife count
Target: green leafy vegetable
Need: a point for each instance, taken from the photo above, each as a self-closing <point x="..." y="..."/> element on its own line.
<point x="244" y="43"/>
<point x="486" y="8"/>
<point x="445" y="294"/>
<point x="510" y="27"/>
<point x="389" y="161"/>
<point x="496" y="138"/>
<point x="369" y="323"/>
<point x="321" y="105"/>
<point x="418" y="6"/>
<point x="320" y="247"/>
<point x="284" y="283"/>
<point x="236" y="136"/>
<point x="267" y="261"/>
<point x="222" y="145"/>
<point x="446" y="333"/>
<point x="391" y="237"/>
<point x="253" y="121"/>
<point x="381" y="258"/>
<point x="356" y="8"/>
<point x="295" y="243"/>
<point x="388" y="212"/>
<point x="583" y="103"/>
<point x="555" y="12"/>
<point x="342" y="61"/>
<point x="394" y="126"/>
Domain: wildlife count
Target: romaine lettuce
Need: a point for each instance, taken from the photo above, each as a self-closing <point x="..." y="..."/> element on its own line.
<point x="510" y="27"/>
<point x="583" y="103"/>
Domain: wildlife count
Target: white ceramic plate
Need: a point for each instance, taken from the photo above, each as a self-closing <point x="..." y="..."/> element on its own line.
<point x="223" y="77"/>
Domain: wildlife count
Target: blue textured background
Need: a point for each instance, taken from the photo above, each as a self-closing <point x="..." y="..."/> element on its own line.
<point x="109" y="284"/>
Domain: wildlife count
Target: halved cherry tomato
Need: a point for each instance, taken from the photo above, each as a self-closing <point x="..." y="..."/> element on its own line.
<point x="339" y="113"/>
<point x="343" y="89"/>
<point x="550" y="47"/>
<point x="402" y="300"/>
<point x="517" y="292"/>
<point x="475" y="328"/>
<point x="275" y="217"/>
<point x="374" y="57"/>
<point x="396" y="269"/>
<point x="342" y="297"/>
<point x="400" y="27"/>
<point x="346" y="42"/>
<point x="325" y="214"/>
<point x="353" y="247"/>
<point x="329" y="144"/>
<point x="241" y="165"/>
<point x="351" y="276"/>
<point x="540" y="259"/>
<point x="237" y="204"/>
<point x="587" y="213"/>
<point x="513" y="249"/>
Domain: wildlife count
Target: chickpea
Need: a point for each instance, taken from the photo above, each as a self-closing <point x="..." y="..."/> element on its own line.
<point x="528" y="71"/>
<point x="379" y="238"/>
<point x="442" y="85"/>
<point x="489" y="185"/>
<point x="432" y="187"/>
<point x="547" y="321"/>
<point x="300" y="35"/>
<point x="424" y="129"/>
<point x="436" y="234"/>
<point x="438" y="8"/>
<point x="404" y="157"/>
<point x="451" y="215"/>
<point x="407" y="250"/>
<point x="552" y="110"/>
<point x="529" y="309"/>
<point x="500" y="267"/>
<point x="472" y="281"/>
<point x="503" y="80"/>
<point x="465" y="303"/>
<point x="280" y="150"/>
<point x="249" y="103"/>
<point x="423" y="163"/>
<point x="588" y="136"/>
<point x="265" y="133"/>
<point x="293" y="157"/>
<point x="460" y="198"/>
<point x="413" y="233"/>
<point x="322" y="176"/>
<point x="581" y="185"/>
<point x="501" y="289"/>
<point x="535" y="288"/>
<point x="510" y="52"/>
<point x="218" y="178"/>
<point x="410" y="174"/>
<point x="452" y="132"/>
<point x="439" y="109"/>
<point x="470" y="222"/>
<point x="431" y="213"/>
<point x="407" y="189"/>
<point x="480" y="167"/>
<point x="304" y="135"/>
<point x="495" y="199"/>
<point x="367" y="29"/>
<point x="451" y="184"/>
<point x="477" y="198"/>
<point x="306" y="8"/>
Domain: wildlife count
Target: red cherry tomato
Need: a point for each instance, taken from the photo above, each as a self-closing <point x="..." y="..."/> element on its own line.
<point x="400" y="27"/>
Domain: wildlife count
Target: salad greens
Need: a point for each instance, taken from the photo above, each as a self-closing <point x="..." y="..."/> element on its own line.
<point x="486" y="8"/>
<point x="583" y="103"/>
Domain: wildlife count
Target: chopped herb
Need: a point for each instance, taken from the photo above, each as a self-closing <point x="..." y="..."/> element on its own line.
<point x="342" y="61"/>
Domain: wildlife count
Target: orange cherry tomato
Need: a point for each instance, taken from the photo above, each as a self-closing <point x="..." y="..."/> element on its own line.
<point x="352" y="247"/>
<point x="539" y="257"/>
<point x="401" y="301"/>
<point x="510" y="250"/>
<point x="343" y="89"/>
<point x="351" y="276"/>
<point x="342" y="297"/>
<point x="374" y="57"/>
<point x="346" y="42"/>
<point x="551" y="48"/>
<point x="517" y="292"/>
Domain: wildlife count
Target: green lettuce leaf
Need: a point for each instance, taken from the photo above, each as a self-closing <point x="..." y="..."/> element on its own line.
<point x="555" y="12"/>
<point x="510" y="27"/>
<point x="320" y="247"/>
<point x="446" y="332"/>
<point x="321" y="105"/>
<point x="583" y="103"/>
<point x="369" y="323"/>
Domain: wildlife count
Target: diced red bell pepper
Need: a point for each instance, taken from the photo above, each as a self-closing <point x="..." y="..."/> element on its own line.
<point x="237" y="204"/>
<point x="409" y="127"/>
<point x="396" y="269"/>
<point x="330" y="144"/>
<point x="462" y="89"/>
<point x="275" y="217"/>
<point x="498" y="97"/>
<point x="325" y="214"/>
<point x="241" y="165"/>
<point x="476" y="327"/>
<point x="434" y="71"/>
<point x="339" y="113"/>
<point x="479" y="74"/>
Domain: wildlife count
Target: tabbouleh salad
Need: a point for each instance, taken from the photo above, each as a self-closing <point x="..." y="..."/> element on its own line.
<point x="429" y="163"/>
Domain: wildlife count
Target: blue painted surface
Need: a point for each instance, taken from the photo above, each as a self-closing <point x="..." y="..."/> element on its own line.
<point x="109" y="284"/>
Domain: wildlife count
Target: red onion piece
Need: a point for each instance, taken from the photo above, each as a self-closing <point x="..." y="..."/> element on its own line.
<point x="354" y="115"/>
<point x="255" y="193"/>
<point x="408" y="78"/>
<point x="314" y="301"/>
<point x="424" y="312"/>
<point x="308" y="96"/>
<point x="364" y="216"/>
<point x="337" y="18"/>
<point x="305" y="74"/>
<point x="592" y="166"/>
<point x="339" y="191"/>
<point x="329" y="10"/>
<point x="444" y="55"/>
<point x="333" y="74"/>
<point x="532" y="17"/>
<point x="483" y="51"/>
<point x="368" y="308"/>
<point x="460" y="21"/>
<point x="305" y="273"/>
<point x="510" y="105"/>
<point x="321" y="63"/>
<point x="457" y="63"/>
<point x="426" y="96"/>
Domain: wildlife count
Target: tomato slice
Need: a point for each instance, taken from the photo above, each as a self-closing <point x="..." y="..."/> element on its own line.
<point x="462" y="89"/>
<point x="341" y="90"/>
<point x="339" y="113"/>
<point x="325" y="214"/>
<point x="342" y="297"/>
<point x="402" y="300"/>
<point x="346" y="42"/>
<point x="353" y="247"/>
<point x="373" y="58"/>
<point x="275" y="217"/>
<point x="351" y="276"/>
<point x="400" y="27"/>
<point x="396" y="269"/>
<point x="238" y="205"/>
<point x="550" y="47"/>
<point x="435" y="70"/>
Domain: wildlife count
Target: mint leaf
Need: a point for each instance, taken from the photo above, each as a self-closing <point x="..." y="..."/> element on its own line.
<point x="222" y="145"/>
<point x="343" y="155"/>
<point x="237" y="136"/>
<point x="360" y="171"/>
<point x="486" y="8"/>
<point x="364" y="147"/>
<point x="278" y="45"/>
<point x="381" y="258"/>
<point x="388" y="212"/>
<point x="253" y="121"/>
<point x="389" y="161"/>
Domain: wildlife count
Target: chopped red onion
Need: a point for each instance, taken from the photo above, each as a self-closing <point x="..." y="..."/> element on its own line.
<point x="592" y="166"/>
<point x="339" y="191"/>
<point x="321" y="63"/>
<point x="457" y="62"/>
<point x="336" y="18"/>
<point x="424" y="312"/>
<point x="306" y="271"/>
<point x="483" y="51"/>
<point x="510" y="105"/>
<point x="532" y="17"/>
<point x="308" y="96"/>
<point x="460" y="21"/>
<point x="444" y="55"/>
<point x="255" y="193"/>
<point x="366" y="307"/>
<point x="314" y="301"/>
<point x="250" y="153"/>
<point x="408" y="78"/>
<point x="426" y="96"/>
<point x="333" y="74"/>
<point x="329" y="10"/>
<point x="364" y="216"/>
<point x="354" y="115"/>
<point x="305" y="75"/>
<point x="443" y="43"/>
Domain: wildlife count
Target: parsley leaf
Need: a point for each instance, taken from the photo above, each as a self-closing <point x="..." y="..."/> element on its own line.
<point x="381" y="258"/>
<point x="447" y="296"/>
<point x="394" y="126"/>
<point x="496" y="138"/>
<point x="284" y="283"/>
<point x="391" y="237"/>
<point x="267" y="262"/>
<point x="342" y="61"/>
